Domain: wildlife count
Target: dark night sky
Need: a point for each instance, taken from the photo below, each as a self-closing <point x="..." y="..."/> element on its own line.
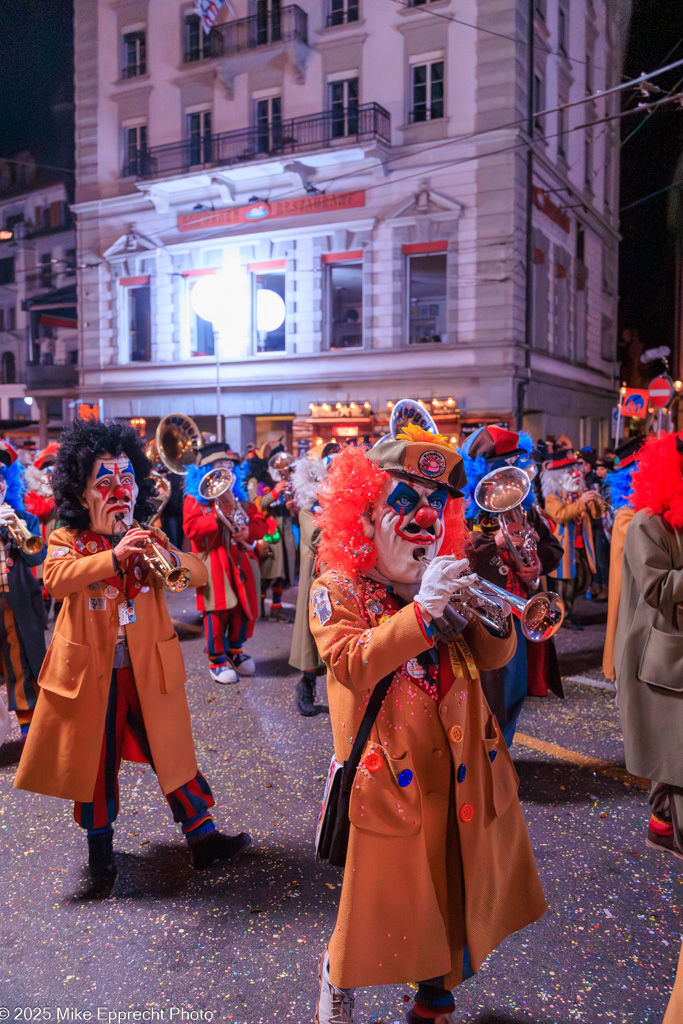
<point x="36" y="70"/>
<point x="648" y="163"/>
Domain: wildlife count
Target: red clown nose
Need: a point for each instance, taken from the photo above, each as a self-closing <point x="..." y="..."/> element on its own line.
<point x="426" y="516"/>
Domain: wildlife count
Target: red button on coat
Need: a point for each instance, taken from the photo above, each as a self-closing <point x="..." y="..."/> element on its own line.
<point x="373" y="761"/>
<point x="466" y="812"/>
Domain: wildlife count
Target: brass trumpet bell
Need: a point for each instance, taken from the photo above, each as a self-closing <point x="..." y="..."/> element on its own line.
<point x="178" y="439"/>
<point x="30" y="543"/>
<point x="502" y="489"/>
<point x="173" y="577"/>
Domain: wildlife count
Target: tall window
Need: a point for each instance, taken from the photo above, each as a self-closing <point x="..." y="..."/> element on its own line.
<point x="135" y="144"/>
<point x="345" y="304"/>
<point x="344" y="107"/>
<point x="70" y="262"/>
<point x="45" y="270"/>
<point x="562" y="30"/>
<point x="2" y="319"/>
<point x="11" y="318"/>
<point x="199" y="44"/>
<point x="199" y="137"/>
<point x="539" y="102"/>
<point x="562" y="133"/>
<point x="8" y="368"/>
<point x="342" y="11"/>
<point x="139" y="324"/>
<point x="427" y="91"/>
<point x="268" y="124"/>
<point x="588" y="159"/>
<point x="427" y="298"/>
<point x="268" y="22"/>
<point x="134" y="61"/>
<point x="268" y="313"/>
<point x="201" y="331"/>
<point x="7" y="270"/>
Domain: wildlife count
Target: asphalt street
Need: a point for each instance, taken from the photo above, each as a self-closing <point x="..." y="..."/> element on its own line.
<point x="240" y="942"/>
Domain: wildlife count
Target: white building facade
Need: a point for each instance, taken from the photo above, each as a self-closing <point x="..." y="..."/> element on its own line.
<point x="366" y="161"/>
<point x="39" y="342"/>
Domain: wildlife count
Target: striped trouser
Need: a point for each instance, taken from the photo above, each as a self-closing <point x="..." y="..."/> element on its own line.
<point x="22" y="688"/>
<point x="219" y="626"/>
<point x="187" y="802"/>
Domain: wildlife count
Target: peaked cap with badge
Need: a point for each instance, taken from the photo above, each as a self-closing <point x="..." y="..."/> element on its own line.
<point x="423" y="457"/>
<point x="214" y="451"/>
<point x="493" y="443"/>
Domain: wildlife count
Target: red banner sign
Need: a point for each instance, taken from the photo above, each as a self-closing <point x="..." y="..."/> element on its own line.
<point x="256" y="212"/>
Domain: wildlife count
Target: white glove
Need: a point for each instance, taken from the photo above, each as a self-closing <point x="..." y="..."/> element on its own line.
<point x="7" y="515"/>
<point x="440" y="582"/>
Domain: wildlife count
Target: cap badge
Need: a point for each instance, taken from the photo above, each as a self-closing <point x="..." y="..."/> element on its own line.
<point x="431" y="464"/>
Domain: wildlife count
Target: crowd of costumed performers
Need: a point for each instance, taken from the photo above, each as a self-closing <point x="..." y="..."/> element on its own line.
<point x="111" y="685"/>
<point x="514" y="551"/>
<point x="222" y="532"/>
<point x="433" y="810"/>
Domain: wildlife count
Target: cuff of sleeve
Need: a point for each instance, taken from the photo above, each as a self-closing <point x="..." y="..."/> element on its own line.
<point x="427" y="630"/>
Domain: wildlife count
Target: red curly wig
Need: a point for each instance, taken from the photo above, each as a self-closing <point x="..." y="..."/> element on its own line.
<point x="351" y="488"/>
<point x="658" y="480"/>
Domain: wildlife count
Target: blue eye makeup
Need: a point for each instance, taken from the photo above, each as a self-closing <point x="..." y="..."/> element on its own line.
<point x="438" y="499"/>
<point x="403" y="498"/>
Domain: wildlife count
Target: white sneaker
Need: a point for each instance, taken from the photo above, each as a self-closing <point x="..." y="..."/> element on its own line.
<point x="223" y="674"/>
<point x="243" y="665"/>
<point x="335" y="1005"/>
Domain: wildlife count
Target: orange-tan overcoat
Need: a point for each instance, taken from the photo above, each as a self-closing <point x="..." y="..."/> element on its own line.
<point x="442" y="863"/>
<point x="62" y="751"/>
<point x="616" y="553"/>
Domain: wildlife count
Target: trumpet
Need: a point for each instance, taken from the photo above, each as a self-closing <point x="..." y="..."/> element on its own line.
<point x="540" y="616"/>
<point x="30" y="544"/>
<point x="215" y="485"/>
<point x="501" y="493"/>
<point x="174" y="577"/>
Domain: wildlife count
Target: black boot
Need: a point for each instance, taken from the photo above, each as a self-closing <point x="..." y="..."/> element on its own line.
<point x="305" y="696"/>
<point x="211" y="846"/>
<point x="101" y="857"/>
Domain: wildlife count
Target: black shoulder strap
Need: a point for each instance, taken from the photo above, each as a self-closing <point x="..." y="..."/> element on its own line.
<point x="365" y="728"/>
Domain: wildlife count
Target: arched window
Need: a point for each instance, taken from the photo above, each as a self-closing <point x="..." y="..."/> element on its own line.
<point x="8" y="368"/>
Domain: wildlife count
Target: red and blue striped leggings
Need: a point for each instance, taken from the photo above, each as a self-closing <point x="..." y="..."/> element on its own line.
<point x="190" y="803"/>
<point x="220" y="626"/>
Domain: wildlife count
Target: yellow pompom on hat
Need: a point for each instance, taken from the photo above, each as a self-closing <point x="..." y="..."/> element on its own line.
<point x="422" y="456"/>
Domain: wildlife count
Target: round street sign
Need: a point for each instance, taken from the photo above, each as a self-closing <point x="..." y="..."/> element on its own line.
<point x="661" y="391"/>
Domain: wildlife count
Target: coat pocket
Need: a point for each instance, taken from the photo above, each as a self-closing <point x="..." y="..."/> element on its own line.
<point x="64" y="667"/>
<point x="385" y="797"/>
<point x="661" y="663"/>
<point x="172" y="674"/>
<point x="503" y="781"/>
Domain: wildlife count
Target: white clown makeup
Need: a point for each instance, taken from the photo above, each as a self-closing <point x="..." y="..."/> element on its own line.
<point x="3" y="488"/>
<point x="110" y="494"/>
<point x="572" y="480"/>
<point x="406" y="524"/>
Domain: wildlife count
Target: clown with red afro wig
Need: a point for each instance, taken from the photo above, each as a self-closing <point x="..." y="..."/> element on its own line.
<point x="419" y="763"/>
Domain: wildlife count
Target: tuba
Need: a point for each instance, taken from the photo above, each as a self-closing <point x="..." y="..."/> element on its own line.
<point x="501" y="493"/>
<point x="30" y="543"/>
<point x="177" y="441"/>
<point x="216" y="484"/>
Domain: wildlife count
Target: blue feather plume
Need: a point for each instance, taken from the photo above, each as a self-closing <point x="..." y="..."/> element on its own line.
<point x="15" y="481"/>
<point x="620" y="483"/>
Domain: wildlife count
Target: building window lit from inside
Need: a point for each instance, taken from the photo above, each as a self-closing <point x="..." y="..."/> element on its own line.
<point x="267" y="312"/>
<point x="202" y="337"/>
<point x="427" y="91"/>
<point x="199" y="137"/>
<point x="427" y="298"/>
<point x="342" y="11"/>
<point x="19" y="410"/>
<point x="345" y="304"/>
<point x="268" y="124"/>
<point x="344" y="107"/>
<point x="139" y="324"/>
<point x="134" y="62"/>
<point x="135" y="149"/>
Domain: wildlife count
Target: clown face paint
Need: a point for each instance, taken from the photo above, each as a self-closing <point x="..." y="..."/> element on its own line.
<point x="3" y="487"/>
<point x="572" y="481"/>
<point x="111" y="492"/>
<point x="405" y="524"/>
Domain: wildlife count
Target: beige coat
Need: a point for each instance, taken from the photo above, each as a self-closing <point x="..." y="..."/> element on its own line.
<point x="62" y="752"/>
<point x="648" y="650"/>
<point x="304" y="653"/>
<point x="621" y="522"/>
<point x="280" y="562"/>
<point x="437" y="864"/>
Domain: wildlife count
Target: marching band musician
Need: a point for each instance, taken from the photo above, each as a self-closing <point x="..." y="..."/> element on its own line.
<point x="113" y="680"/>
<point x="22" y="612"/>
<point x="278" y="568"/>
<point x="534" y="666"/>
<point x="229" y="600"/>
<point x="439" y="868"/>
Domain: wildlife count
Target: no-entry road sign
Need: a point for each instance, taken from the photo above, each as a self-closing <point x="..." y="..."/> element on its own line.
<point x="661" y="391"/>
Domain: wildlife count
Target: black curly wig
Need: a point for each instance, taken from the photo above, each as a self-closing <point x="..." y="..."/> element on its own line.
<point x="79" y="446"/>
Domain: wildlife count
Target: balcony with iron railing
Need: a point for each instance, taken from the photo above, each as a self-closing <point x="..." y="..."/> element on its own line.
<point x="51" y="377"/>
<point x="275" y="138"/>
<point x="278" y="25"/>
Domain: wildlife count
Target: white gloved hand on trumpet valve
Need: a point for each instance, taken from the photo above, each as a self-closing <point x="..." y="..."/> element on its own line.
<point x="441" y="581"/>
